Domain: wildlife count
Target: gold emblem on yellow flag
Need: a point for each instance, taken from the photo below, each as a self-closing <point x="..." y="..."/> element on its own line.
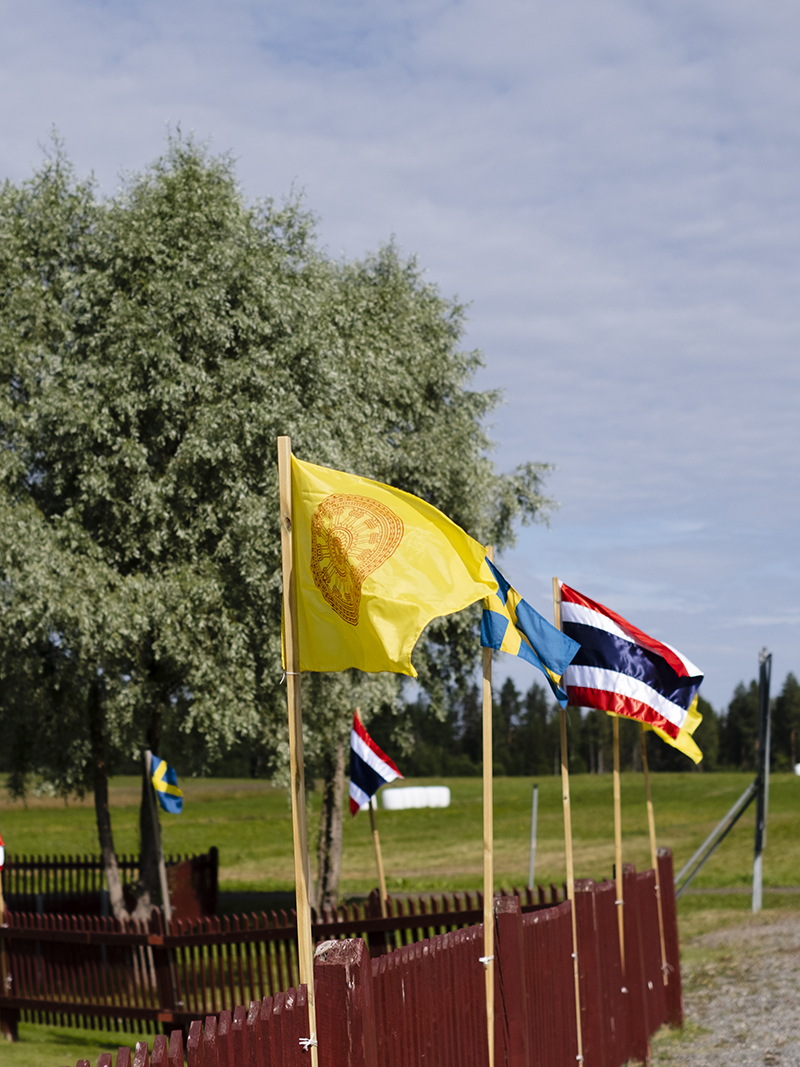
<point x="351" y="536"/>
<point x="373" y="566"/>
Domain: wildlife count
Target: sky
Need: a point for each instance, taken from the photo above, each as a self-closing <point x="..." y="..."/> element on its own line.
<point x="612" y="187"/>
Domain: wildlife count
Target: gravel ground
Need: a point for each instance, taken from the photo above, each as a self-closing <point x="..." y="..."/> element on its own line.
<point x="741" y="998"/>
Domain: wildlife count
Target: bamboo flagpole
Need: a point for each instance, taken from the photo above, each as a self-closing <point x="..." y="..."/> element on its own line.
<point x="376" y="841"/>
<point x="651" y="822"/>
<point x="305" y="941"/>
<point x="568" y="838"/>
<point x="620" y="901"/>
<point x="5" y="977"/>
<point x="379" y="860"/>
<point x="488" y="843"/>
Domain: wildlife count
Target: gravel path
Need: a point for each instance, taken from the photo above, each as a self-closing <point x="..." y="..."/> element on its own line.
<point x="741" y="997"/>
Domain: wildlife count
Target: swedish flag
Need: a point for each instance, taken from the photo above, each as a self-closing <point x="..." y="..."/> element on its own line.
<point x="511" y="625"/>
<point x="165" y="783"/>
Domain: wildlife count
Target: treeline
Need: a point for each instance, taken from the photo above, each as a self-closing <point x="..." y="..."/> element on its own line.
<point x="526" y="736"/>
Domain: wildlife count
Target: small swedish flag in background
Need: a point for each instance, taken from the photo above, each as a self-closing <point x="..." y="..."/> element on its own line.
<point x="165" y="783"/>
<point x="509" y="624"/>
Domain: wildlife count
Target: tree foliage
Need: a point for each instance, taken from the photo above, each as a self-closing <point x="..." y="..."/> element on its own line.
<point x="152" y="347"/>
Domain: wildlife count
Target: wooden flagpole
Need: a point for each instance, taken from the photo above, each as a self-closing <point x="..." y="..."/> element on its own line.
<point x="379" y="860"/>
<point x="651" y="822"/>
<point x="620" y="901"/>
<point x="376" y="841"/>
<point x="568" y="838"/>
<point x="488" y="843"/>
<point x="305" y="941"/>
<point x="4" y="974"/>
<point x="162" y="867"/>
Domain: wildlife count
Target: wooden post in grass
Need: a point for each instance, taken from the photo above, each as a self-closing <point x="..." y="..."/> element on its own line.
<point x="162" y="867"/>
<point x="488" y="843"/>
<point x="651" y="822"/>
<point x="305" y="942"/>
<point x="568" y="837"/>
<point x="620" y="901"/>
<point x="378" y="858"/>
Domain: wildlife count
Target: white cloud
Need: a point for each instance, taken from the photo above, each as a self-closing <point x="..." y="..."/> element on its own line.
<point x="613" y="186"/>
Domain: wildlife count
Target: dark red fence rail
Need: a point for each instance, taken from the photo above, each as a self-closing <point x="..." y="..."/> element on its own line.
<point x="424" y="1003"/>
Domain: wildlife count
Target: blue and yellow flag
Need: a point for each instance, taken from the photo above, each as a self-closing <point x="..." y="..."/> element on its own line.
<point x="509" y="624"/>
<point x="165" y="783"/>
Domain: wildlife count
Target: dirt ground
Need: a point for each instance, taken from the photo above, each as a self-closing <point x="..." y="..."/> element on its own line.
<point x="741" y="997"/>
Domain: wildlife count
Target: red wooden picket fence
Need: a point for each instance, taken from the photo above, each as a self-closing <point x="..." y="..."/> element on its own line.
<point x="423" y="1003"/>
<point x="74" y="885"/>
<point x="93" y="971"/>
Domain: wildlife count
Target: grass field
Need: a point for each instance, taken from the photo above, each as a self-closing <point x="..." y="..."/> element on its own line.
<point x="250" y="822"/>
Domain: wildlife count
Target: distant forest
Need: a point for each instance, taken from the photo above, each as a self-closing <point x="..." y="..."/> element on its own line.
<point x="526" y="736"/>
<point x="526" y="739"/>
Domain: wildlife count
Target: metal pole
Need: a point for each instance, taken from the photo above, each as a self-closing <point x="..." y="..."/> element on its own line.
<point x="534" y="821"/>
<point x="720" y="832"/>
<point x="762" y="774"/>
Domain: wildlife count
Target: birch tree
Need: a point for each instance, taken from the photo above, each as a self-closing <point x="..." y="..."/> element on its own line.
<point x="152" y="347"/>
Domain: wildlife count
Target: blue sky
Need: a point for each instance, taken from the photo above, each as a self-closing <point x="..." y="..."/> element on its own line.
<point x="611" y="185"/>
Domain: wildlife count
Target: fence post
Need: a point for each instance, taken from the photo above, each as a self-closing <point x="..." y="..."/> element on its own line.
<point x="212" y="882"/>
<point x="239" y="1036"/>
<point x="634" y="968"/>
<point x="166" y="999"/>
<point x="9" y="1024"/>
<point x="345" y="1008"/>
<point x="210" y="1041"/>
<point x="594" y="1050"/>
<point x="175" y="1052"/>
<point x="223" y="1039"/>
<point x="255" y="1056"/>
<point x="159" y="1057"/>
<point x="194" y="1045"/>
<point x="511" y="998"/>
<point x="674" y="989"/>
<point x="141" y="1055"/>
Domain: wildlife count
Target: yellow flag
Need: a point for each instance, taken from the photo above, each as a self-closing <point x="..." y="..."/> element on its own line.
<point x="684" y="742"/>
<point x="373" y="566"/>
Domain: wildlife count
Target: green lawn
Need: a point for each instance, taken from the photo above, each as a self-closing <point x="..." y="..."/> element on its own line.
<point x="56" y="1046"/>
<point x="250" y="823"/>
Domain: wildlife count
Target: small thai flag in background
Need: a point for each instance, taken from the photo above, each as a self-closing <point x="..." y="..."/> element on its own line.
<point x="370" y="768"/>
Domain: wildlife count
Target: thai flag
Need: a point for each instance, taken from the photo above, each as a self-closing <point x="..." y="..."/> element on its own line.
<point x="618" y="668"/>
<point x="370" y="768"/>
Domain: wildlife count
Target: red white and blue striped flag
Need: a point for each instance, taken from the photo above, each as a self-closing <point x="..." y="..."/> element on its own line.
<point x="370" y="768"/>
<point x="620" y="669"/>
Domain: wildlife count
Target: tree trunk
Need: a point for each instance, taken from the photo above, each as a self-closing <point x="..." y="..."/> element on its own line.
<point x="101" y="808"/>
<point x="330" y="830"/>
<point x="148" y="888"/>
